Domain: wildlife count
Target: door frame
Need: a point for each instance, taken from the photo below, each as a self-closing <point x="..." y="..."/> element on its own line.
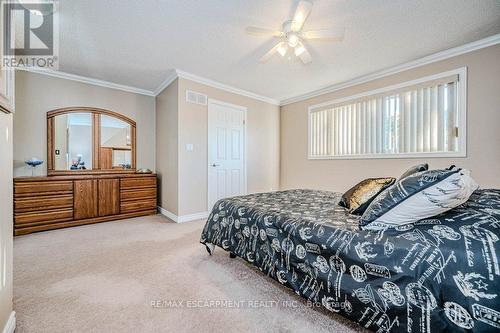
<point x="243" y="109"/>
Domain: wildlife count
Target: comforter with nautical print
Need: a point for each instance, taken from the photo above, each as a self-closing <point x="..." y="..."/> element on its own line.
<point x="440" y="274"/>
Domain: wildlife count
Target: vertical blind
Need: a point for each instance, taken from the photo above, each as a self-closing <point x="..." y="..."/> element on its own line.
<point x="418" y="119"/>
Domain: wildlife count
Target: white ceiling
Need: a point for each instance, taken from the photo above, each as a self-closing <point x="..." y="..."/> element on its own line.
<point x="138" y="42"/>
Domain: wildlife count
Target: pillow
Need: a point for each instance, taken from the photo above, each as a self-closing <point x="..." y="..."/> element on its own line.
<point x="419" y="196"/>
<point x="358" y="197"/>
<point x="414" y="169"/>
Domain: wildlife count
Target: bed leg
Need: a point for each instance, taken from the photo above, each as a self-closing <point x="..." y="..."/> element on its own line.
<point x="210" y="248"/>
<point x="232" y="255"/>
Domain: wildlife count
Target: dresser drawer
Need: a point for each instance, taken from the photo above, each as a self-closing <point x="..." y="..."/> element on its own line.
<point x="138" y="205"/>
<point x="27" y="204"/>
<point x="43" y="188"/>
<point x="137" y="183"/>
<point x="43" y="217"/>
<point x="141" y="194"/>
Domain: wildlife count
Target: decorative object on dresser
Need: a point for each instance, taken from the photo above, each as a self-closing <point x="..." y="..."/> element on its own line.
<point x="144" y="171"/>
<point x="53" y="202"/>
<point x="33" y="163"/>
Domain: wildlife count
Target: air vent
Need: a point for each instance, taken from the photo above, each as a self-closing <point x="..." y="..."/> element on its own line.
<point x="196" y="98"/>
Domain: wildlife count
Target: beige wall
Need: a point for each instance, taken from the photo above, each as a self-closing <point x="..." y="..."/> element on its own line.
<point x="192" y="122"/>
<point x="483" y="131"/>
<point x="36" y="94"/>
<point x="262" y="144"/>
<point x="5" y="218"/>
<point x="167" y="161"/>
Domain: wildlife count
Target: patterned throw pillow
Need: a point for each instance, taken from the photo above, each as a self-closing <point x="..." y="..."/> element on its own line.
<point x="357" y="199"/>
<point x="414" y="169"/>
<point x="419" y="196"/>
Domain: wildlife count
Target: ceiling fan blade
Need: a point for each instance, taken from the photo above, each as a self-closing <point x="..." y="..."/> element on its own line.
<point x="331" y="34"/>
<point x="305" y="56"/>
<point x="271" y="52"/>
<point x="301" y="13"/>
<point x="263" y="32"/>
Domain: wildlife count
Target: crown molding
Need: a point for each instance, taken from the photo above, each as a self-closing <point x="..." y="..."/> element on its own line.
<point x="88" y="80"/>
<point x="171" y="77"/>
<point x="453" y="52"/>
<point x="222" y="86"/>
<point x="176" y="73"/>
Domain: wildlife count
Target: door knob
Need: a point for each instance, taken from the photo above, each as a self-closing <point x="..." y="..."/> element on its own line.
<point x="215" y="165"/>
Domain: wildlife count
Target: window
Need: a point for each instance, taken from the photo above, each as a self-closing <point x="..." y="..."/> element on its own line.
<point x="424" y="117"/>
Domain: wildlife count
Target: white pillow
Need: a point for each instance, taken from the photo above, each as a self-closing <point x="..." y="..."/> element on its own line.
<point x="418" y="197"/>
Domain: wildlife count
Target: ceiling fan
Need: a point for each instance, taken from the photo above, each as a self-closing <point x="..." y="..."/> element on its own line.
<point x="292" y="36"/>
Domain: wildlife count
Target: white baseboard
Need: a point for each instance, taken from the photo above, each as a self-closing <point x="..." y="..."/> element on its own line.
<point x="168" y="214"/>
<point x="193" y="217"/>
<point x="10" y="326"/>
<point x="182" y="218"/>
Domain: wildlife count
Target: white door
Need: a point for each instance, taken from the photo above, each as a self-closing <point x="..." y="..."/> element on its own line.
<point x="226" y="151"/>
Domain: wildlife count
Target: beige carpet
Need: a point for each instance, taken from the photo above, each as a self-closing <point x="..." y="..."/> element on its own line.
<point x="105" y="277"/>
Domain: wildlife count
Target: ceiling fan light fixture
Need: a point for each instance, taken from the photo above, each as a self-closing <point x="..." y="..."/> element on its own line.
<point x="291" y="36"/>
<point x="282" y="49"/>
<point x="299" y="49"/>
<point x="293" y="39"/>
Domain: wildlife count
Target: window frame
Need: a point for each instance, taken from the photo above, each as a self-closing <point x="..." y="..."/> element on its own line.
<point x="461" y="91"/>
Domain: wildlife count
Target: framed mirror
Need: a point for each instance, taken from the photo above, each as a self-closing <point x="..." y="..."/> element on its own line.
<point x="116" y="143"/>
<point x="73" y="142"/>
<point x="89" y="140"/>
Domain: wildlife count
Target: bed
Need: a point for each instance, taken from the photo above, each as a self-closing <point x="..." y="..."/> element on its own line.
<point x="440" y="274"/>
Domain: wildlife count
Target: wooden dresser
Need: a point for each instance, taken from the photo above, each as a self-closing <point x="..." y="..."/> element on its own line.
<point x="53" y="202"/>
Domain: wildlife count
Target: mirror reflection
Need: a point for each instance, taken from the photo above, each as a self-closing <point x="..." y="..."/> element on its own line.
<point x="116" y="144"/>
<point x="73" y="141"/>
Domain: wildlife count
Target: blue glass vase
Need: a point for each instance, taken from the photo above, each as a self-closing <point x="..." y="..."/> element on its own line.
<point x="33" y="163"/>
